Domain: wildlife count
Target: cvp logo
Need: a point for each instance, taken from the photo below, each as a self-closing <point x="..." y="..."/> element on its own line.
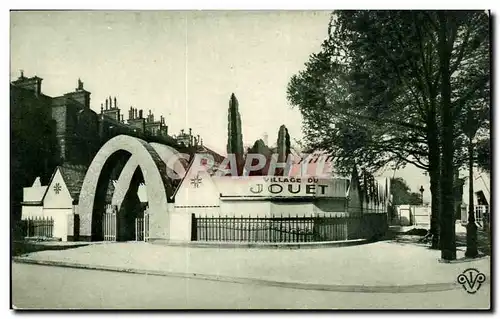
<point x="471" y="279"/>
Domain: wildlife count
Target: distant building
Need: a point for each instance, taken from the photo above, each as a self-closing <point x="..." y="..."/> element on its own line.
<point x="81" y="131"/>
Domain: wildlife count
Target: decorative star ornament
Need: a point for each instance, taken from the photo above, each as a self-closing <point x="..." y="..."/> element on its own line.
<point x="196" y="182"/>
<point x="57" y="188"/>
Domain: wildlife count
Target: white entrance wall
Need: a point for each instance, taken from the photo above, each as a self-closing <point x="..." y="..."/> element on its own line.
<point x="197" y="195"/>
<point x="60" y="217"/>
<point x="197" y="191"/>
<point x="245" y="208"/>
<point x="261" y="196"/>
<point x="32" y="200"/>
<point x="404" y="213"/>
<point x="29" y="211"/>
<point x="293" y="209"/>
<point x="58" y="204"/>
<point x="331" y="205"/>
<point x="180" y="226"/>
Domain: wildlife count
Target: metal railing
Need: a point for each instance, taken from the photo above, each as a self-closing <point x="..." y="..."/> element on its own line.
<point x="288" y="228"/>
<point x="109" y="226"/>
<point x="142" y="228"/>
<point x="39" y="227"/>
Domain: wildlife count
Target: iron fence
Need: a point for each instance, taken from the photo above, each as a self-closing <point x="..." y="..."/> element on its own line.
<point x="146" y="226"/>
<point x="109" y="228"/>
<point x="39" y="226"/>
<point x="142" y="228"/>
<point x="287" y="228"/>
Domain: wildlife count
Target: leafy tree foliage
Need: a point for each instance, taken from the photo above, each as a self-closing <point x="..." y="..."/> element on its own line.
<point x="389" y="87"/>
<point x="484" y="155"/>
<point x="259" y="147"/>
<point x="34" y="148"/>
<point x="401" y="193"/>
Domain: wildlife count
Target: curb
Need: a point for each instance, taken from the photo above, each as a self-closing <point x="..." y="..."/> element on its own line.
<point x="214" y="244"/>
<point x="415" y="288"/>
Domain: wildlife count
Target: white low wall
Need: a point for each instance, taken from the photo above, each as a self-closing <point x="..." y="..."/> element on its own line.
<point x="32" y="211"/>
<point x="422" y="216"/>
<point x="60" y="217"/>
<point x="180" y="227"/>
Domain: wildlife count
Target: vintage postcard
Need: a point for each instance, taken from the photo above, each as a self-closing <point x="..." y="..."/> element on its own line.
<point x="250" y="159"/>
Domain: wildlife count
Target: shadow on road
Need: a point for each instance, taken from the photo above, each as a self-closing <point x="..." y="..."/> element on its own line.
<point x="20" y="247"/>
<point x="416" y="236"/>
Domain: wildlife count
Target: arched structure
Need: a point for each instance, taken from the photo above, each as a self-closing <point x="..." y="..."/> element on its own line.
<point x="93" y="189"/>
<point x="165" y="152"/>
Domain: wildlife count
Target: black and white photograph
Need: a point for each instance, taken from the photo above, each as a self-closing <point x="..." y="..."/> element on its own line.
<point x="250" y="159"/>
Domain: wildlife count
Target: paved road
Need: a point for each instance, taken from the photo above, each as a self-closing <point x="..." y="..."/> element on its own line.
<point x="38" y="287"/>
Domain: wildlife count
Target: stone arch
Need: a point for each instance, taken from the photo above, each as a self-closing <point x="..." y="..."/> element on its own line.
<point x="164" y="151"/>
<point x="155" y="178"/>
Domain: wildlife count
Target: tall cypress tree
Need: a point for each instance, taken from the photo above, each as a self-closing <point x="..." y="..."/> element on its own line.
<point x="234" y="136"/>
<point x="283" y="148"/>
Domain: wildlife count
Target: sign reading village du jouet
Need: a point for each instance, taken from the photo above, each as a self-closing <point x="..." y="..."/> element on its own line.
<point x="284" y="186"/>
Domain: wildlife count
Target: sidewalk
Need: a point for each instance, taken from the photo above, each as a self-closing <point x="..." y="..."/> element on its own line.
<point x="380" y="266"/>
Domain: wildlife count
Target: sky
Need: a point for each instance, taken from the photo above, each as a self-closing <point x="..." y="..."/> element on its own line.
<point x="183" y="65"/>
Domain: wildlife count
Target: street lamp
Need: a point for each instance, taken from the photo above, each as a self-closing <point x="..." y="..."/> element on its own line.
<point x="422" y="194"/>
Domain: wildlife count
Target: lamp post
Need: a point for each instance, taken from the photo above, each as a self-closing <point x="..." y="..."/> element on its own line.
<point x="422" y="194"/>
<point x="471" y="127"/>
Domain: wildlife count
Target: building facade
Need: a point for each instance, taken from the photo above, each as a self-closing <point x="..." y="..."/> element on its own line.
<point x="81" y="131"/>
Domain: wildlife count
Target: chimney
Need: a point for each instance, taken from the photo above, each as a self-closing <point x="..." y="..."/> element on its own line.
<point x="135" y="113"/>
<point x="102" y="108"/>
<point x="140" y="114"/>
<point x="115" y="101"/>
<point x="80" y="95"/>
<point x="106" y="104"/>
<point x="80" y="85"/>
<point x="33" y="84"/>
<point x="122" y="120"/>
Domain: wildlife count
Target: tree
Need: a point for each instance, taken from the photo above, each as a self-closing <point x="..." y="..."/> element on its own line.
<point x="452" y="26"/>
<point x="234" y="135"/>
<point x="34" y="148"/>
<point x="283" y="148"/>
<point x="483" y="155"/>
<point x="259" y="147"/>
<point x="401" y="194"/>
<point x="366" y="87"/>
<point x="380" y="77"/>
<point x="400" y="191"/>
